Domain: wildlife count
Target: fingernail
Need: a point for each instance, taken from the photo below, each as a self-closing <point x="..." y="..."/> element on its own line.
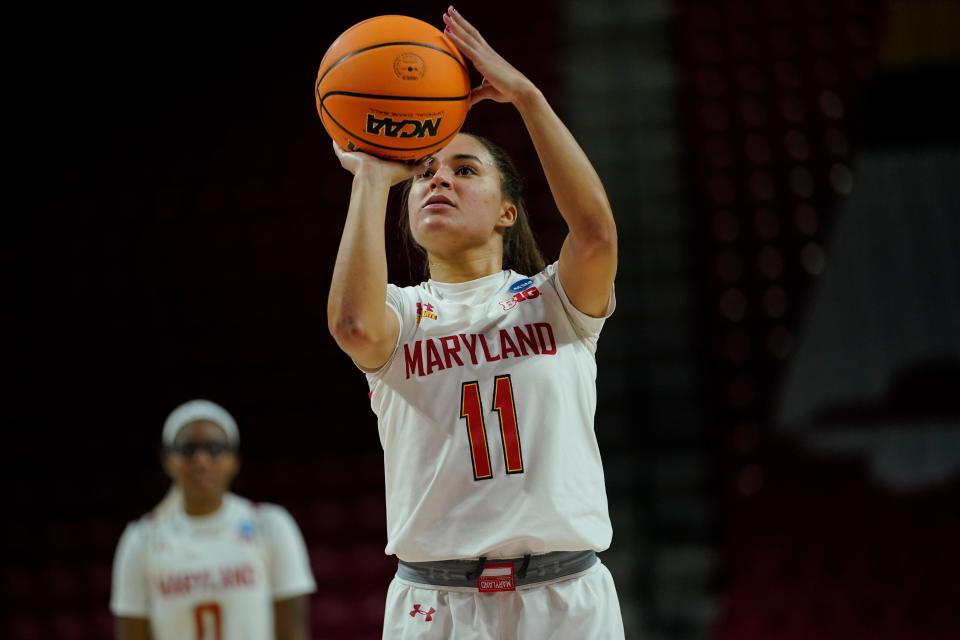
<point x="452" y="10"/>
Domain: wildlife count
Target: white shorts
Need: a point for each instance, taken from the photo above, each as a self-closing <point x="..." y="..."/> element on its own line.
<point x="582" y="606"/>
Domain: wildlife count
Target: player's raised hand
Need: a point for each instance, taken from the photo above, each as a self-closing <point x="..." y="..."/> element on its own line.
<point x="390" y="171"/>
<point x="501" y="80"/>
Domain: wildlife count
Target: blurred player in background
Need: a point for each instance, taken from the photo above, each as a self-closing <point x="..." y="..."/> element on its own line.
<point x="483" y="379"/>
<point x="206" y="564"/>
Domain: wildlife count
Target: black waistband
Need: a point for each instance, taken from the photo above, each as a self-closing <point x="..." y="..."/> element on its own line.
<point x="529" y="569"/>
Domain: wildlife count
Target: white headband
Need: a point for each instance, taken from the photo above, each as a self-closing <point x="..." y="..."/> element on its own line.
<point x="199" y="410"/>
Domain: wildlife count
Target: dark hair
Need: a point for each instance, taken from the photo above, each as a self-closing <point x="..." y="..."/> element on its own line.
<point x="520" y="250"/>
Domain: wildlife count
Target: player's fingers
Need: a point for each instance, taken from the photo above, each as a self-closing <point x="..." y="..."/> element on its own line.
<point x="455" y="26"/>
<point x="420" y="165"/>
<point x="452" y="28"/>
<point x="465" y="47"/>
<point x="343" y="154"/>
<point x="460" y="21"/>
<point x="483" y="92"/>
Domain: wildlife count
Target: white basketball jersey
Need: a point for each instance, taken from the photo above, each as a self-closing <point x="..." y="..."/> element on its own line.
<point x="213" y="577"/>
<point x="485" y="414"/>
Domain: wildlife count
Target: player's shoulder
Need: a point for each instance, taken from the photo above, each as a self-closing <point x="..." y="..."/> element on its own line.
<point x="267" y="514"/>
<point x="518" y="280"/>
<point x="270" y="510"/>
<point x="530" y="285"/>
<point x="138" y="530"/>
<point x="151" y="518"/>
<point x="407" y="287"/>
<point x="404" y="297"/>
<point x="137" y="526"/>
<point x="409" y="291"/>
<point x="549" y="272"/>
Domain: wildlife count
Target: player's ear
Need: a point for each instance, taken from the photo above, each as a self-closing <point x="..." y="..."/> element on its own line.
<point x="508" y="215"/>
<point x="166" y="462"/>
<point x="234" y="466"/>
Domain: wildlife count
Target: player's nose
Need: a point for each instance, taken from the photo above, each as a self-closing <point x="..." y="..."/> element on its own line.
<point x="441" y="177"/>
<point x="201" y="457"/>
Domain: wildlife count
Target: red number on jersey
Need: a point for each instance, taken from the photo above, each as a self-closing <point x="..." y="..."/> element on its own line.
<point x="209" y="621"/>
<point x="509" y="430"/>
<point x="471" y="409"/>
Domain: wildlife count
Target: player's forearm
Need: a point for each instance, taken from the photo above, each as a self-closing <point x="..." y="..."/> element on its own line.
<point x="291" y="619"/>
<point x="576" y="187"/>
<point x="358" y="290"/>
<point x="132" y="629"/>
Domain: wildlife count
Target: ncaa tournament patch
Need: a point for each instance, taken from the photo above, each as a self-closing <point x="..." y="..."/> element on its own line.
<point x="247" y="530"/>
<point x="521" y="285"/>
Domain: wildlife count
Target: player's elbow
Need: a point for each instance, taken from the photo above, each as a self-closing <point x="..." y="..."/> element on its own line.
<point x="353" y="333"/>
<point x="604" y="233"/>
<point x="598" y="236"/>
<point x="348" y="330"/>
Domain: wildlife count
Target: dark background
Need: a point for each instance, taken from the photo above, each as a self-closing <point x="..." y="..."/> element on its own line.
<point x="174" y="213"/>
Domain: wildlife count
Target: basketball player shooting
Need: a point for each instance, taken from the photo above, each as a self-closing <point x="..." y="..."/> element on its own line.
<point x="483" y="378"/>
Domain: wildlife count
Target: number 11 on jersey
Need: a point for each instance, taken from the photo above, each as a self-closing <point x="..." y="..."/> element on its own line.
<point x="471" y="410"/>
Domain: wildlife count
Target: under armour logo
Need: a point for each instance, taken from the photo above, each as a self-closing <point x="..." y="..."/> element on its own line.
<point x="418" y="611"/>
<point x="425" y="310"/>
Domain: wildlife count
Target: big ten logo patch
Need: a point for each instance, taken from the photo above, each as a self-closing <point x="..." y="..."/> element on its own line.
<point x="529" y="292"/>
<point x="425" y="310"/>
<point x="402" y="128"/>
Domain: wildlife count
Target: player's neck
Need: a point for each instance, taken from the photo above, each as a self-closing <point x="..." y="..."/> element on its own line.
<point x="460" y="268"/>
<point x="199" y="508"/>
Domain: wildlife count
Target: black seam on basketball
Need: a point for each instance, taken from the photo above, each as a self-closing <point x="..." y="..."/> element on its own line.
<point x="352" y="94"/>
<point x="389" y="44"/>
<point x="382" y="146"/>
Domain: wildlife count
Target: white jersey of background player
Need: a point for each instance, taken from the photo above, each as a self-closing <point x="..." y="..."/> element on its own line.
<point x="485" y="400"/>
<point x="231" y="570"/>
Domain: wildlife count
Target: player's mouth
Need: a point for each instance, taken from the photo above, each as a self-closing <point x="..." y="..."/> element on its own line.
<point x="438" y="203"/>
<point x="203" y="479"/>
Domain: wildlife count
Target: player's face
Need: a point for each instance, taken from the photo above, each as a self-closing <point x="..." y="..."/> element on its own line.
<point x="202" y="462"/>
<point x="456" y="203"/>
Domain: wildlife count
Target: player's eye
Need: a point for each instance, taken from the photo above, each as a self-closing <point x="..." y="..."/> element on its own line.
<point x="213" y="449"/>
<point x="462" y="170"/>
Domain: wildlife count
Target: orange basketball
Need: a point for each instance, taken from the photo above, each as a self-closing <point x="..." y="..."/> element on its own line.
<point x="393" y="86"/>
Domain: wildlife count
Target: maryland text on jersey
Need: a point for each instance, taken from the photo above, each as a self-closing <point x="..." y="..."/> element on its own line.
<point x="207" y="581"/>
<point x="430" y="355"/>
